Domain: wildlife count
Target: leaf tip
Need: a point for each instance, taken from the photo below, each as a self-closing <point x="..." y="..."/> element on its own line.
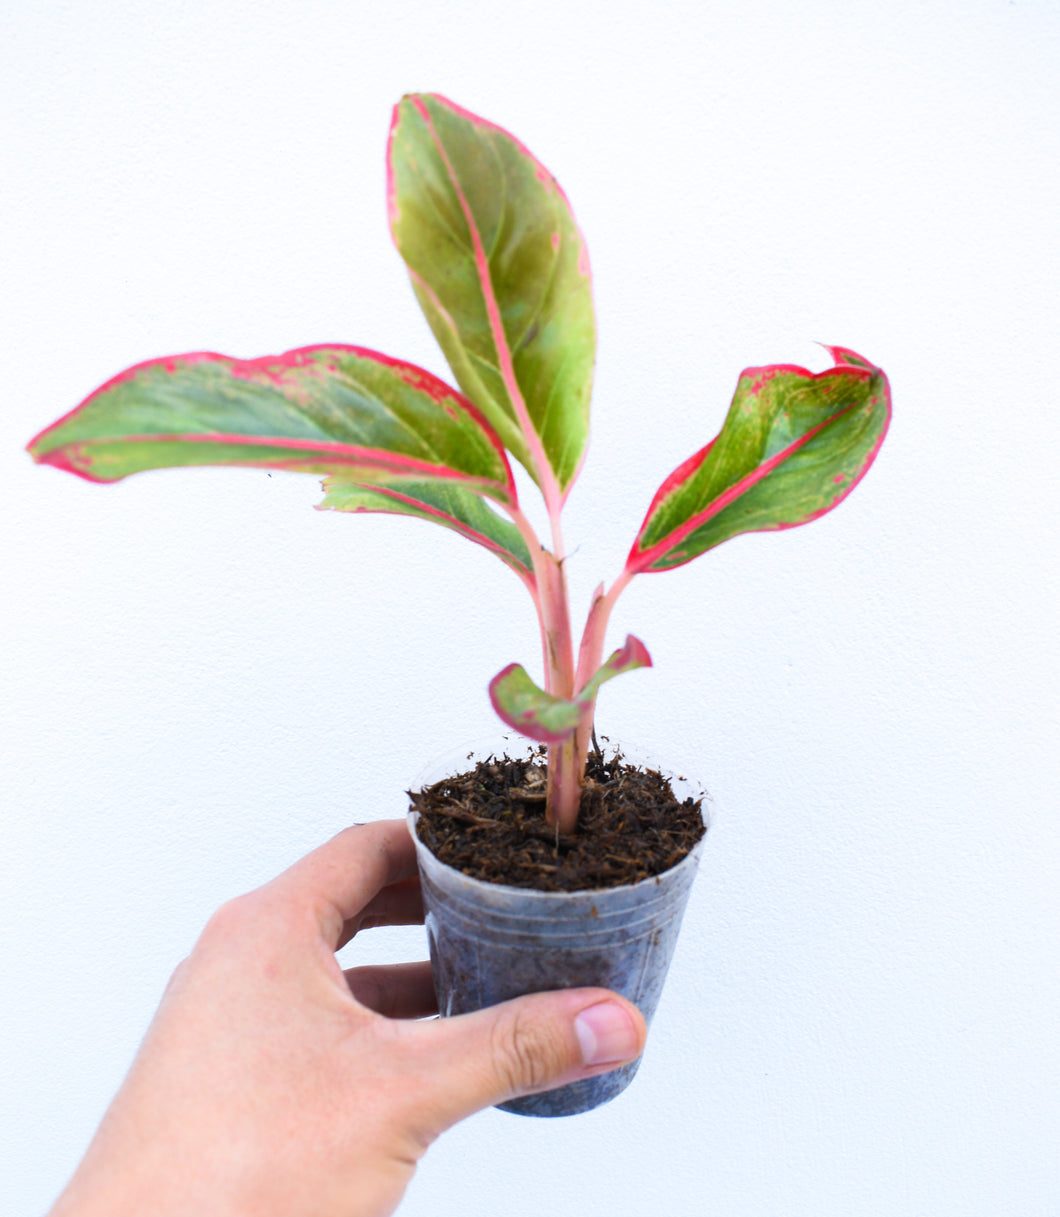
<point x="392" y="209"/>
<point x="638" y="652"/>
<point x="845" y="357"/>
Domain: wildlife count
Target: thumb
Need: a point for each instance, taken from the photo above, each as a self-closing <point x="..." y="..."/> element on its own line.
<point x="527" y="1045"/>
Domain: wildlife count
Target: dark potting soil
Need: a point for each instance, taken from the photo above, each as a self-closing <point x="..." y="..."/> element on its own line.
<point x="490" y="823"/>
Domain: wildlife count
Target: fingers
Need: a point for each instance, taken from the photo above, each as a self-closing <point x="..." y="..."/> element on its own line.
<point x="400" y="990"/>
<point x="531" y="1044"/>
<point x="399" y="904"/>
<point x="340" y="879"/>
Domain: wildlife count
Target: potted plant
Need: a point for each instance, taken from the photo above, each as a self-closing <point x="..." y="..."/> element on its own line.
<point x="501" y="272"/>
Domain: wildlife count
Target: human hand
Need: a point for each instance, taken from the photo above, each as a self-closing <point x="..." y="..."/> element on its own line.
<point x="271" y="1082"/>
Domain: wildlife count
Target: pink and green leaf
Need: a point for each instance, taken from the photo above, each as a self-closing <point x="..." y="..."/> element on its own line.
<point x="551" y="720"/>
<point x="502" y="273"/>
<point x="444" y="503"/>
<point x="324" y="409"/>
<point x="793" y="446"/>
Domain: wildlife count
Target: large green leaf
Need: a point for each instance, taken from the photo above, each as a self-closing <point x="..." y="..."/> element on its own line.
<point x="445" y="503"/>
<point x="793" y="446"/>
<point x="326" y="409"/>
<point x="502" y="273"/>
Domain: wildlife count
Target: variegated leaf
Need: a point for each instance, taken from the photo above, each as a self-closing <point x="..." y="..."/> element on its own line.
<point x="502" y="273"/>
<point x="793" y="446"/>
<point x="444" y="503"/>
<point x="325" y="409"/>
<point x="551" y="720"/>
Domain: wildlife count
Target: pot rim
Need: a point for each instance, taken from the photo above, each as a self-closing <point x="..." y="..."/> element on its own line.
<point x="449" y="762"/>
<point x="588" y="894"/>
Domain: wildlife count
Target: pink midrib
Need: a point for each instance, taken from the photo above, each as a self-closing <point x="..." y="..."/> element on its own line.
<point x="646" y="558"/>
<point x="472" y="534"/>
<point x="327" y="450"/>
<point x="549" y="486"/>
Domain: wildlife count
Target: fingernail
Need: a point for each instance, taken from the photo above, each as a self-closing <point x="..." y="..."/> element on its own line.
<point x="606" y="1034"/>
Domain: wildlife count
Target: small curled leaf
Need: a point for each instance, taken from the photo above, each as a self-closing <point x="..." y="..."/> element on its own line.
<point x="551" y="720"/>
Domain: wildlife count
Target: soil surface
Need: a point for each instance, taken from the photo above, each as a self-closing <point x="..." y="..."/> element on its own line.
<point x="490" y="824"/>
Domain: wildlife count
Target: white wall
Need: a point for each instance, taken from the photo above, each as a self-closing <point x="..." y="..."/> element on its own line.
<point x="203" y="678"/>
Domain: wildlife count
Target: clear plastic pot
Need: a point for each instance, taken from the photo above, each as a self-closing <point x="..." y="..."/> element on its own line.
<point x="490" y="943"/>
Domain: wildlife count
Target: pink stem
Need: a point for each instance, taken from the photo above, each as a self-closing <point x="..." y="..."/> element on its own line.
<point x="590" y="656"/>
<point x="553" y="611"/>
<point x="564" y="786"/>
<point x="591" y="651"/>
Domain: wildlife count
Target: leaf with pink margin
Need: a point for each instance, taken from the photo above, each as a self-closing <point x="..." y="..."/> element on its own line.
<point x="323" y="409"/>
<point x="843" y="355"/>
<point x="540" y="716"/>
<point x="443" y="503"/>
<point x="501" y="272"/>
<point x="794" y="445"/>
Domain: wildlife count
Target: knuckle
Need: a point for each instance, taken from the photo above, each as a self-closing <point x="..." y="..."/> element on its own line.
<point x="527" y="1055"/>
<point x="176" y="977"/>
<point x="247" y="922"/>
<point x="230" y="920"/>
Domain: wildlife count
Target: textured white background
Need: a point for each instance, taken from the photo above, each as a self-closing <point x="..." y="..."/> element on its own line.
<point x="203" y="678"/>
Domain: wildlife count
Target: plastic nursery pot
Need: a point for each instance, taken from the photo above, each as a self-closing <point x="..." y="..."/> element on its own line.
<point x="490" y="942"/>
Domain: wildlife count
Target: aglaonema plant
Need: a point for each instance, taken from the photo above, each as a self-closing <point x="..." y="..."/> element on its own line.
<point x="501" y="271"/>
